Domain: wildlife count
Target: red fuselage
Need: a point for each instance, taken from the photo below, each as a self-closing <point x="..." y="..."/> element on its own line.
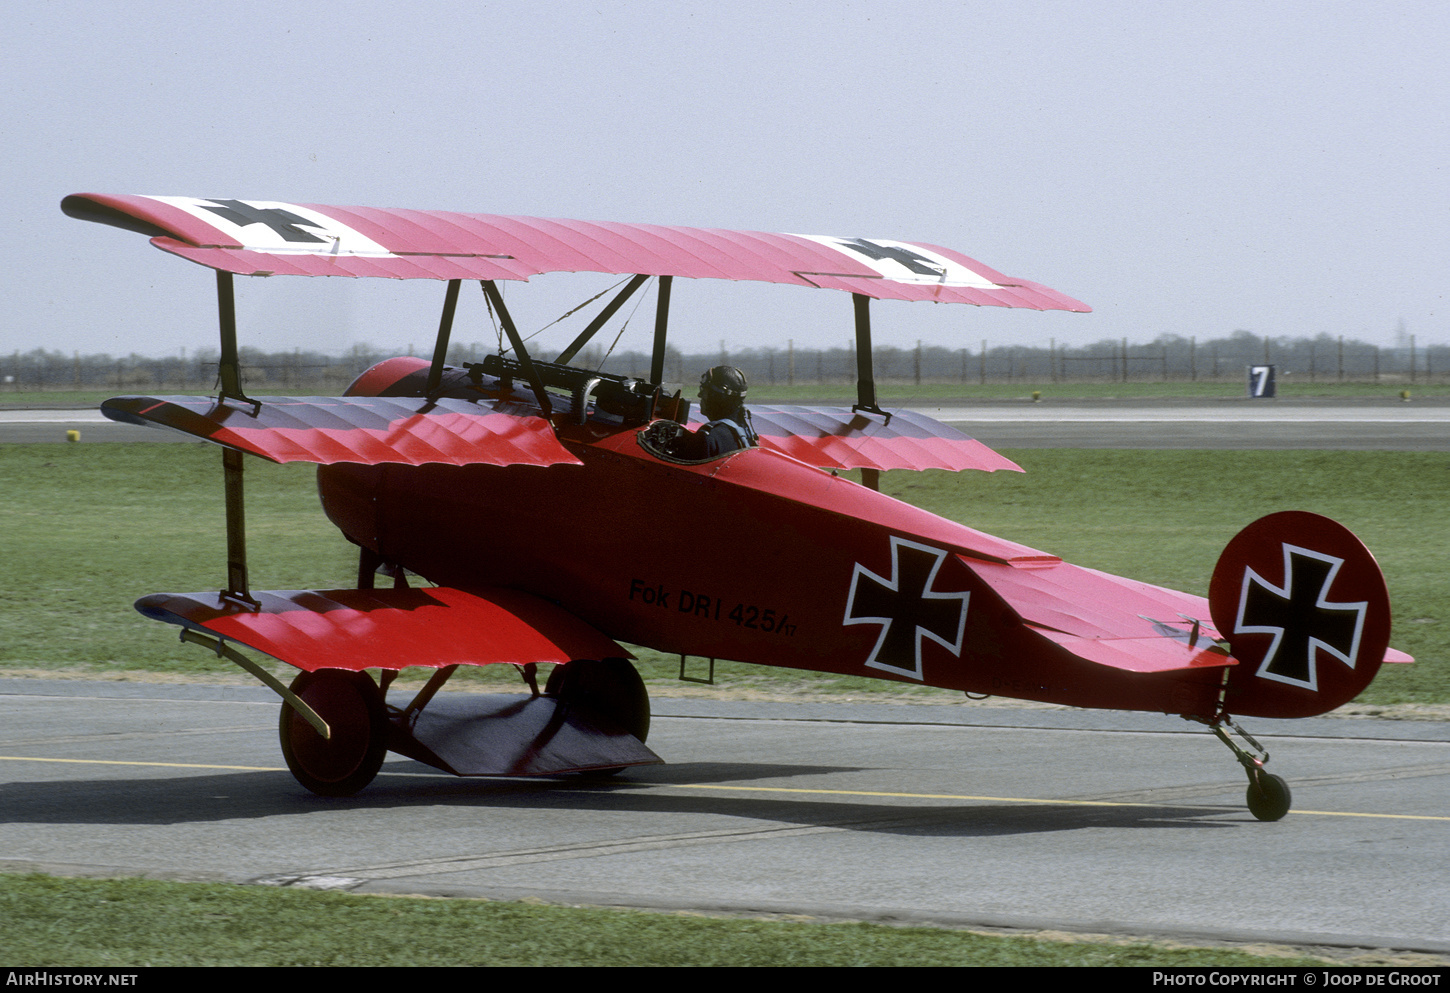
<point x="753" y="557"/>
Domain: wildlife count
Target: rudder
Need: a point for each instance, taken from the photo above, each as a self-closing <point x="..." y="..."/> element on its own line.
<point x="1306" y="612"/>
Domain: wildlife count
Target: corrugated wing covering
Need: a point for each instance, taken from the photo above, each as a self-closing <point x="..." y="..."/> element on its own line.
<point x="389" y="629"/>
<point x="366" y="430"/>
<point x="836" y="438"/>
<point x="258" y="237"/>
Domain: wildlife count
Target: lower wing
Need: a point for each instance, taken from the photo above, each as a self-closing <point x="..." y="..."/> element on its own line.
<point x="390" y="628"/>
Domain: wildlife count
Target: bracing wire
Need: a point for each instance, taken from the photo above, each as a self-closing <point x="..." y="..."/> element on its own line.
<point x="581" y="306"/>
<point x="498" y="330"/>
<point x="639" y="298"/>
<point x="493" y="319"/>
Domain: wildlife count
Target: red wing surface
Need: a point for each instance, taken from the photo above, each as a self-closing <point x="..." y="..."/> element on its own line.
<point x="390" y="629"/>
<point x="837" y="438"/>
<point x="264" y="237"/>
<point x="367" y="430"/>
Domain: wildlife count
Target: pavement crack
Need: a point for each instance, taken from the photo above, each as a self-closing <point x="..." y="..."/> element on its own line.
<point x="553" y="853"/>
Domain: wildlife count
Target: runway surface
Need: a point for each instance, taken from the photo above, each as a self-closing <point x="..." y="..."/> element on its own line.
<point x="1382" y="424"/>
<point x="954" y="815"/>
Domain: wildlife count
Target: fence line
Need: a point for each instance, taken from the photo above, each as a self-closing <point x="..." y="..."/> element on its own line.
<point x="1176" y="360"/>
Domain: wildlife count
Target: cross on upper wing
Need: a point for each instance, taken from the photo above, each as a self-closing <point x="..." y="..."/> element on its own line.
<point x="282" y="222"/>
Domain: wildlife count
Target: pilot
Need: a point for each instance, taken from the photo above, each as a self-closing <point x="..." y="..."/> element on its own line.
<point x="727" y="427"/>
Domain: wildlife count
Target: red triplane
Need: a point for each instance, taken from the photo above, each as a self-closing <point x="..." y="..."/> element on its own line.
<point x="536" y="498"/>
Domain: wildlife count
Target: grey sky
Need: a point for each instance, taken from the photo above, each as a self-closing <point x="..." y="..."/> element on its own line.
<point x="1190" y="168"/>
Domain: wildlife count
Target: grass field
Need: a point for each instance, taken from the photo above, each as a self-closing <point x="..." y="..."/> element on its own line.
<point x="85" y="529"/>
<point x="86" y="922"/>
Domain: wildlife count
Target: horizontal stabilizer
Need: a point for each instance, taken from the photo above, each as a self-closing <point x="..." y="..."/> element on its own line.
<point x="839" y="438"/>
<point x="366" y="430"/>
<point x="1087" y="603"/>
<point x="390" y="628"/>
<point x="1156" y="654"/>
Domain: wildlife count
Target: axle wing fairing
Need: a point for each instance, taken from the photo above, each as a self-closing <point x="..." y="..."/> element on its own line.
<point x="434" y="627"/>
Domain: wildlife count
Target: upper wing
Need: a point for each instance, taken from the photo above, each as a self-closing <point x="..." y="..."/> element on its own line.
<point x="369" y="430"/>
<point x="263" y="237"/>
<point x="838" y="438"/>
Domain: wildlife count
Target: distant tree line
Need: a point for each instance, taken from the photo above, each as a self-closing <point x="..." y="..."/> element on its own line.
<point x="1324" y="358"/>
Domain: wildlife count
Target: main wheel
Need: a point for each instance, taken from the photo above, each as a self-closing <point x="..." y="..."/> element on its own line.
<point x="1269" y="798"/>
<point x="608" y="689"/>
<point x="352" y="705"/>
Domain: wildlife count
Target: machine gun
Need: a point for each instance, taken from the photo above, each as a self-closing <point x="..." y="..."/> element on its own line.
<point x="631" y="400"/>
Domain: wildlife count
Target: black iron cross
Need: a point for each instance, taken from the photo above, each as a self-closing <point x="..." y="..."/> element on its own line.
<point x="902" y="256"/>
<point x="1300" y="618"/>
<point x="283" y="222"/>
<point x="907" y="608"/>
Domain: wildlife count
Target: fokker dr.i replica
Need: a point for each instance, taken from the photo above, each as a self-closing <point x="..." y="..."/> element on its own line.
<point x="549" y="509"/>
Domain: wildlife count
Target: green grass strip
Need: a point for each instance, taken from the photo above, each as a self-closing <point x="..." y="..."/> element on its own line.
<point x="50" y="921"/>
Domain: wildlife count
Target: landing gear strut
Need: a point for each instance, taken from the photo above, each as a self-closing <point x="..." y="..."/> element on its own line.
<point x="1268" y="796"/>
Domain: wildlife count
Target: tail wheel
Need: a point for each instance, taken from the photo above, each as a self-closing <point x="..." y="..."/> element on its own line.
<point x="1268" y="797"/>
<point x="609" y="690"/>
<point x="352" y="705"/>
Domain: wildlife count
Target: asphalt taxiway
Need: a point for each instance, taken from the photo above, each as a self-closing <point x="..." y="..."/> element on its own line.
<point x="956" y="815"/>
<point x="1379" y="424"/>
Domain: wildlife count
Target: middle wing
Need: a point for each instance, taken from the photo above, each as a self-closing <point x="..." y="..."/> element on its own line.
<point x="839" y="438"/>
<point x="367" y="430"/>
